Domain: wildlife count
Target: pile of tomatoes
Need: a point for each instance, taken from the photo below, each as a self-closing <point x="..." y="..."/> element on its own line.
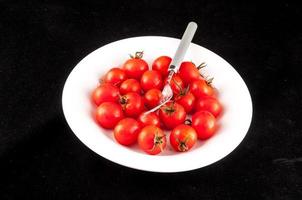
<point x="125" y="93"/>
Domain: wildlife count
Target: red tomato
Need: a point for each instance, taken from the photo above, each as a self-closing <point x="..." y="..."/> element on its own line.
<point x="105" y="93"/>
<point x="115" y="76"/>
<point x="172" y="114"/>
<point x="189" y="72"/>
<point x="149" y="119"/>
<point x="152" y="140"/>
<point x="183" y="137"/>
<point x="152" y="98"/>
<point x="177" y="85"/>
<point x="135" y="66"/>
<point x="204" y="123"/>
<point x="151" y="79"/>
<point x="200" y="88"/>
<point x="187" y="100"/>
<point x="132" y="104"/>
<point x="209" y="104"/>
<point x="130" y="85"/>
<point x="108" y="114"/>
<point x="126" y="131"/>
<point x="161" y="64"/>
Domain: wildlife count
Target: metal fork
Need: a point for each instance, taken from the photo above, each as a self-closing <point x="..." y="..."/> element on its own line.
<point x="183" y="46"/>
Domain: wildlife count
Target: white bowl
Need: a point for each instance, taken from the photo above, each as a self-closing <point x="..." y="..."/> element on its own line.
<point x="78" y="108"/>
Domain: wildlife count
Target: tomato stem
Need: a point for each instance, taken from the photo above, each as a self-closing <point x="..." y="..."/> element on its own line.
<point x="185" y="91"/>
<point x="183" y="146"/>
<point x="177" y="85"/>
<point x="202" y="65"/>
<point x="137" y="55"/>
<point x="158" y="140"/>
<point x="210" y="81"/>
<point x="123" y="100"/>
<point x="169" y="109"/>
<point x="182" y="93"/>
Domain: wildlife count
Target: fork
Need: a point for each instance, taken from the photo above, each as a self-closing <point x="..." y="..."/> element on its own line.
<point x="183" y="46"/>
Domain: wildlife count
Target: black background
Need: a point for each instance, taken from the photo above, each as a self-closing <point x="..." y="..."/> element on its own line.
<point x="40" y="43"/>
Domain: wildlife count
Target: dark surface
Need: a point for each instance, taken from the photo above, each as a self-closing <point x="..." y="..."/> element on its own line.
<point x="41" y="42"/>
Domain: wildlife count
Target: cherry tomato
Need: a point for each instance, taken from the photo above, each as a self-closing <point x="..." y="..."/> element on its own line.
<point x="135" y="66"/>
<point x="132" y="104"/>
<point x="152" y="140"/>
<point x="105" y="93"/>
<point x="177" y="85"/>
<point x="172" y="114"/>
<point x="204" y="123"/>
<point x="183" y="137"/>
<point x="130" y="85"/>
<point x="200" y="88"/>
<point x="161" y="64"/>
<point x="115" y="76"/>
<point x="152" y="98"/>
<point x="151" y="79"/>
<point x="189" y="72"/>
<point x="108" y="114"/>
<point x="126" y="131"/>
<point x="209" y="104"/>
<point x="187" y="100"/>
<point x="149" y="119"/>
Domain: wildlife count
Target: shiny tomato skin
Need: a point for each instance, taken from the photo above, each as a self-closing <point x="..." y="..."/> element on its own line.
<point x="105" y="93"/>
<point x="135" y="67"/>
<point x="130" y="85"/>
<point x="152" y="98"/>
<point x="108" y="114"/>
<point x="151" y="79"/>
<point x="152" y="140"/>
<point x="187" y="101"/>
<point x="189" y="72"/>
<point x="172" y="114"/>
<point x="177" y="85"/>
<point x="115" y="76"/>
<point x="161" y="64"/>
<point x="205" y="124"/>
<point x="209" y="104"/>
<point x="149" y="119"/>
<point x="200" y="88"/>
<point x="132" y="104"/>
<point x="126" y="131"/>
<point x="183" y="138"/>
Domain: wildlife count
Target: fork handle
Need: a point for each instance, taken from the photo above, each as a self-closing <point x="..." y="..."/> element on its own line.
<point x="183" y="47"/>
